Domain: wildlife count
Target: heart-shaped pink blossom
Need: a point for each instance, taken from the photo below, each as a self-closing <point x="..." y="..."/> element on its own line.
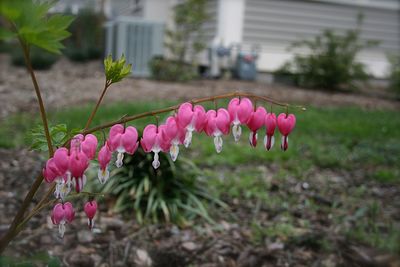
<point x="217" y="125"/>
<point x="153" y="140"/>
<point x="62" y="214"/>
<point x="191" y="119"/>
<point x="240" y="110"/>
<point x="286" y="124"/>
<point x="255" y="122"/>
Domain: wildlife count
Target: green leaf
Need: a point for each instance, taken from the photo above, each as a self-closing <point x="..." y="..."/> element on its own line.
<point x="32" y="24"/>
<point x="58" y="134"/>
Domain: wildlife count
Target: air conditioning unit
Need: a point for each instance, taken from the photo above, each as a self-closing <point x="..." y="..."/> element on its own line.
<point x="139" y="40"/>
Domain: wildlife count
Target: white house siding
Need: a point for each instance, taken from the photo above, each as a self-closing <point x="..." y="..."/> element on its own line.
<point x="209" y="30"/>
<point x="275" y="24"/>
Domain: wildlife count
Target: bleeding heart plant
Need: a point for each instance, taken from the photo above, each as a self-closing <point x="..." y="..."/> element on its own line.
<point x="67" y="164"/>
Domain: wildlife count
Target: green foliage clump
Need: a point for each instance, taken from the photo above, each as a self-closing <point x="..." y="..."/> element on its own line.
<point x="331" y="63"/>
<point x="170" y="70"/>
<point x="86" y="41"/>
<point x="394" y="77"/>
<point x="183" y="42"/>
<point x="172" y="193"/>
<point x="40" y="59"/>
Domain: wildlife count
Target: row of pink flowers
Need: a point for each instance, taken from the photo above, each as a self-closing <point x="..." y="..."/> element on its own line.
<point x="67" y="167"/>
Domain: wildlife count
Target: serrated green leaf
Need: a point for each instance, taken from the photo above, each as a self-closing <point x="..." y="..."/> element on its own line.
<point x="33" y="26"/>
<point x="58" y="135"/>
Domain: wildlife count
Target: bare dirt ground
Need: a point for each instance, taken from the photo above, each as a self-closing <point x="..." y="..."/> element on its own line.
<point x="68" y="83"/>
<point x="314" y="238"/>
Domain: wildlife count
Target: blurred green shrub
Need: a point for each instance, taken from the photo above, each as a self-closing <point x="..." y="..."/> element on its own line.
<point x="86" y="40"/>
<point x="170" y="70"/>
<point x="331" y="63"/>
<point x="394" y="77"/>
<point x="41" y="59"/>
<point x="184" y="41"/>
<point x="172" y="193"/>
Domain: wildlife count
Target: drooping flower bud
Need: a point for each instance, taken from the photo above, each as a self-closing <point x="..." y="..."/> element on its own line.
<point x="90" y="209"/>
<point x="104" y="158"/>
<point x="270" y="125"/>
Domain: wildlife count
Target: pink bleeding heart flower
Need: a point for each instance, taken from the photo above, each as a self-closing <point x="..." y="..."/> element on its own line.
<point x="174" y="135"/>
<point x="218" y="124"/>
<point x="191" y="119"/>
<point x="153" y="141"/>
<point x="90" y="209"/>
<point x="62" y="214"/>
<point x="239" y="111"/>
<point x="255" y="122"/>
<point x="123" y="140"/>
<point x="88" y="144"/>
<point x="104" y="158"/>
<point x="286" y="124"/>
<point x="78" y="163"/>
<point x="270" y="125"/>
<point x="61" y="160"/>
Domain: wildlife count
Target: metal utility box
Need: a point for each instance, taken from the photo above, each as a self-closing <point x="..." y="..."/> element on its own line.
<point x="139" y="40"/>
<point x="245" y="68"/>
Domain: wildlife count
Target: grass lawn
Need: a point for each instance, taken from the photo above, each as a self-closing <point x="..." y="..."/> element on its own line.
<point x="340" y="140"/>
<point x="344" y="138"/>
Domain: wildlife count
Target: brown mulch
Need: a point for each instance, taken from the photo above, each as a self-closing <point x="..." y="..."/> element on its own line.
<point x="118" y="241"/>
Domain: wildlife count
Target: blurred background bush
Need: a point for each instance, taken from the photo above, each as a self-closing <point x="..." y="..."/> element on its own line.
<point x="86" y="41"/>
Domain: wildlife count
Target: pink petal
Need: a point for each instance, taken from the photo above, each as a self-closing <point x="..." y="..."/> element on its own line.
<point x="57" y="214"/>
<point x="223" y="120"/>
<point x="211" y="125"/>
<point x="61" y="159"/>
<point x="270" y="124"/>
<point x="129" y="139"/>
<point x="78" y="164"/>
<point x="200" y="118"/>
<point x="69" y="212"/>
<point x="89" y="146"/>
<point x="104" y="157"/>
<point x="185" y="114"/>
<point x="149" y="137"/>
